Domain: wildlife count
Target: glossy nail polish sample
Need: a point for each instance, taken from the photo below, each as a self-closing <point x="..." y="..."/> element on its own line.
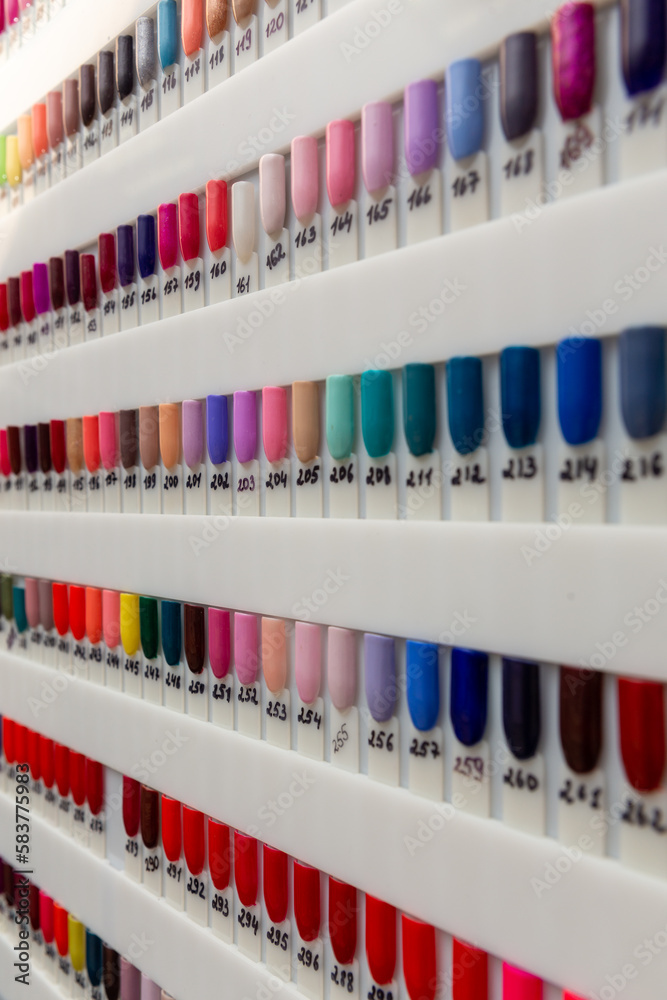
<point x="91" y="442"/>
<point x="305" y="420"/>
<point x="60" y="929"/>
<point x="188" y="223"/>
<point x="423" y="131"/>
<point x="340" y="162"/>
<point x="341" y="667"/>
<point x="520" y="395"/>
<point x="172" y="641"/>
<point x="149" y="448"/>
<point x="146" y="52"/>
<point x="307" y="661"/>
<point x="46" y="604"/>
<point x="641" y="716"/>
<point x="216" y="215"/>
<point x="93" y="958"/>
<point x="581" y="718"/>
<point x="46" y="916"/>
<point x="272" y="192"/>
<point x="71" y="104"/>
<point x="307" y="901"/>
<point x="377" y="412"/>
<point x="419" y="419"/>
<point x="87" y="96"/>
<point x="26" y="148"/>
<point x="72" y="277"/>
<point x="419" y="960"/>
<point x="193" y="432"/>
<point x="471" y="979"/>
<point x="520" y="985"/>
<point x="27" y="298"/>
<point x="340" y="415"/>
<point x="4" y="309"/>
<point x="217" y="428"/>
<point x="192" y="25"/>
<point x="148" y="626"/>
<point x="40" y="288"/>
<point x="521" y="707"/>
<point x="274" y="423"/>
<point x="95" y="786"/>
<point x="170" y="434"/>
<point x="275" y="884"/>
<point x="643" y="36"/>
<point x="30" y="446"/>
<point x="124" y="65"/>
<point x="219" y="854"/>
<point x="5" y="464"/>
<point x="111" y="972"/>
<point x="377" y="145"/>
<point x="130" y="981"/>
<point x="93" y="604"/>
<point x="88" y="281"/>
<point x="245" y="425"/>
<point x="518" y="84"/>
<point x="130" y="633"/>
<point x="54" y="118"/>
<point x="193" y="840"/>
<point x="146" y="245"/>
<point x="62" y="769"/>
<point x="12" y="161"/>
<point x="216" y="17"/>
<point x="274" y="654"/>
<point x="242" y="9"/>
<point x="14" y="445"/>
<point x="343" y="910"/>
<point x="304" y="171"/>
<point x="642" y="375"/>
<point x="167" y="235"/>
<point x="245" y="647"/>
<point x="167" y="33"/>
<point x="423" y="684"/>
<point x="219" y="641"/>
<point x="380" y="940"/>
<point x="131" y="806"/>
<point x="14" y="300"/>
<point x="579" y="364"/>
<point x="32" y="601"/>
<point x="245" y="868"/>
<point x="573" y="58"/>
<point x="380" y="676"/>
<point x="77" y="611"/>
<point x="107" y="258"/>
<point x="172" y="833"/>
<point x="129" y="455"/>
<point x="465" y="132"/>
<point x="468" y="695"/>
<point x="243" y="218"/>
<point x="149" y="806"/>
<point x="20" y="617"/>
<point x="194" y="632"/>
<point x="40" y="138"/>
<point x="126" y="264"/>
<point x="106" y="84"/>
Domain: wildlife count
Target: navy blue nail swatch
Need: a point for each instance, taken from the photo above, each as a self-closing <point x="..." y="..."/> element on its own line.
<point x="520" y="395"/>
<point x="30" y="447"/>
<point x="217" y="428"/>
<point x="643" y="39"/>
<point x="521" y="707"/>
<point x="465" y="403"/>
<point x="94" y="958"/>
<point x="146" y="245"/>
<point x="419" y="408"/>
<point x="579" y="364"/>
<point x="125" y="251"/>
<point x="642" y="372"/>
<point x="468" y="695"/>
<point x="423" y="684"/>
<point x="172" y="637"/>
<point x="464" y="109"/>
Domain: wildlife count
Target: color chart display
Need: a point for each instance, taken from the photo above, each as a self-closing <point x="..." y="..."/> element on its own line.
<point x="333" y="499"/>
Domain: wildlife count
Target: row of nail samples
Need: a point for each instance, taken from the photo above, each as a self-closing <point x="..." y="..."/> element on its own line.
<point x="21" y="20"/>
<point x="166" y="60"/>
<point x="305" y="926"/>
<point x="494" y="456"/>
<point x="63" y="949"/>
<point x="464" y="727"/>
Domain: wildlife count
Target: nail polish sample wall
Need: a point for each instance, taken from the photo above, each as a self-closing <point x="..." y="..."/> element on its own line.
<point x="333" y="496"/>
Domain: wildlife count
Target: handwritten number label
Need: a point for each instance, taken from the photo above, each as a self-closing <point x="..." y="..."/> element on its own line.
<point x="305" y="236"/>
<point x="635" y="814"/>
<point x="378" y="212"/>
<point x="341" y="738"/>
<point x="377" y="475"/>
<point x="220" y="481"/>
<point x="222" y="692"/>
<point x="244" y="43"/>
<point x="465" y="184"/>
<point x="570" y="794"/>
<point x="308" y="717"/>
<point x="517" y="778"/>
<point x="583" y="468"/>
<point x="519" y="166"/>
<point x="425" y="748"/>
<point x="248" y="920"/>
<point x="246" y="485"/>
<point x="646" y="467"/>
<point x="169" y="83"/>
<point x="520" y="468"/>
<point x="342" y="223"/>
<point x="308" y="476"/>
<point x="342" y="474"/>
<point x="343" y="978"/>
<point x="381" y="740"/>
<point x="147" y="100"/>
<point x="275" y="24"/>
<point x="193" y="281"/>
<point x="276" y="255"/>
<point x="309" y="959"/>
<point x="218" y="269"/>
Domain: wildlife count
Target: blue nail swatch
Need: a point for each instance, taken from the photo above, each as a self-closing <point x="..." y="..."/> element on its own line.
<point x="419" y="408"/>
<point x="20" y="616"/>
<point x="172" y="637"/>
<point x="125" y="251"/>
<point x="377" y="412"/>
<point x="146" y="245"/>
<point x="468" y="695"/>
<point x="520" y="395"/>
<point x="465" y="403"/>
<point x="423" y="684"/>
<point x="167" y="33"/>
<point x="642" y="371"/>
<point x="380" y="676"/>
<point x="217" y="428"/>
<point x="579" y="364"/>
<point x="464" y="109"/>
<point x="643" y="38"/>
<point x="521" y="707"/>
<point x="94" y="958"/>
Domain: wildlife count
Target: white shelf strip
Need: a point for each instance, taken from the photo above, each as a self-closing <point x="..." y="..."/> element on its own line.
<point x="420" y="38"/>
<point x="345" y="320"/>
<point x="125" y="916"/>
<point x="466" y="879"/>
<point x="408" y="580"/>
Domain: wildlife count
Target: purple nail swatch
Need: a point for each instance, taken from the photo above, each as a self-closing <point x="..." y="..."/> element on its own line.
<point x="377" y="145"/>
<point x="380" y="676"/>
<point x="40" y="288"/>
<point x="423" y="131"/>
<point x="72" y="277"/>
<point x="30" y="447"/>
<point x="573" y="57"/>
<point x="193" y="433"/>
<point x="245" y="426"/>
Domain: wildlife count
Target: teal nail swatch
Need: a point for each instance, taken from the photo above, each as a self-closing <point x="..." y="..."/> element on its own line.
<point x="20" y="616"/>
<point x="167" y="33"/>
<point x="377" y="412"/>
<point x="419" y="408"/>
<point x="340" y="415"/>
<point x="465" y="404"/>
